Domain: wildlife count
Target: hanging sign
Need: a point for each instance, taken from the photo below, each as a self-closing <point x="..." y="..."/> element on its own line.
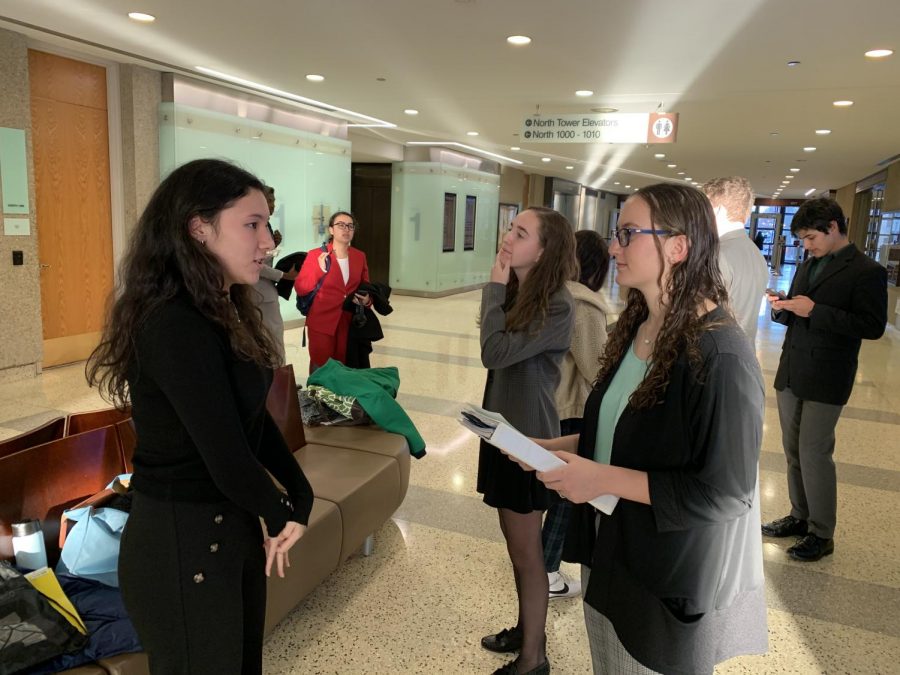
<point x="601" y="128"/>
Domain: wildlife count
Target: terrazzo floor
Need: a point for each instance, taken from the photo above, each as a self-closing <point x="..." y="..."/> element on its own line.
<point x="440" y="578"/>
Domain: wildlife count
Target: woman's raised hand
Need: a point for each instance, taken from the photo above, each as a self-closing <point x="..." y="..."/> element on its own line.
<point x="500" y="269"/>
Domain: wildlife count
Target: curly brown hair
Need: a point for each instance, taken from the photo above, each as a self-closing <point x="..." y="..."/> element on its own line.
<point x="163" y="260"/>
<point x="526" y="307"/>
<point x="686" y="211"/>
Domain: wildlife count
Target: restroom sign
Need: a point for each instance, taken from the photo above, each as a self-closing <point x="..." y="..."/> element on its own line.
<point x="601" y="128"/>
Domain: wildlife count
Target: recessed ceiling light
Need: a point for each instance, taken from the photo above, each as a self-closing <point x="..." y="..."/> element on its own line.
<point x="878" y="53"/>
<point x="809" y="148"/>
<point x="627" y="186"/>
<point x="471" y="133"/>
<point x="546" y="159"/>
<point x="514" y="147"/>
<point x="312" y="77"/>
<point x="844" y="103"/>
<point x="681" y="173"/>
<point x="635" y="189"/>
<point x="604" y="109"/>
<point x="659" y="155"/>
<point x="689" y="178"/>
<point x="570" y="167"/>
<point x="809" y="192"/>
<point x="410" y="111"/>
<point x="773" y="133"/>
<point x="784" y="182"/>
<point x="518" y="40"/>
<point x="695" y="182"/>
<point x="616" y="183"/>
<point x="671" y="166"/>
<point x="793" y="64"/>
<point x="584" y="92"/>
<point x="140" y="16"/>
<point x="795" y="170"/>
<point x="823" y="132"/>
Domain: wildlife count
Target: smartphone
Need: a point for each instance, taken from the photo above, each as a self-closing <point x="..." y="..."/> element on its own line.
<point x="780" y="294"/>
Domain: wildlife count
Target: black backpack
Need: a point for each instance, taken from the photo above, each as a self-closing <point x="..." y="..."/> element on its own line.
<point x="304" y="302"/>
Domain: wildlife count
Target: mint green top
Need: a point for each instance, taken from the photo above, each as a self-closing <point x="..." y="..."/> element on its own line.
<point x="627" y="378"/>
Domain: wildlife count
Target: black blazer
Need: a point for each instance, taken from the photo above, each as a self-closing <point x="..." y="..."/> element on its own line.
<point x="819" y="355"/>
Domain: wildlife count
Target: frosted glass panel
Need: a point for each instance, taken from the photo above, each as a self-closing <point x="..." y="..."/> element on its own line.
<point x="310" y="173"/>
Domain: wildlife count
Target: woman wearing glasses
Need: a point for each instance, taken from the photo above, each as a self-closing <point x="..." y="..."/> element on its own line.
<point x="673" y="578"/>
<point x="344" y="268"/>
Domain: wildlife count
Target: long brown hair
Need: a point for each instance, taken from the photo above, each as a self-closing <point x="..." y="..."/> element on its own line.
<point x="529" y="303"/>
<point x="680" y="210"/>
<point x="164" y="260"/>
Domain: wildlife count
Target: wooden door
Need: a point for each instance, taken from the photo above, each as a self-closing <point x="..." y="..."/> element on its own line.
<point x="370" y="201"/>
<point x="70" y="141"/>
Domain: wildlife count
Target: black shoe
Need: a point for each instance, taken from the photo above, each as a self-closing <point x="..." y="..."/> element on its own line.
<point x="507" y="640"/>
<point x="785" y="527"/>
<point x="511" y="669"/>
<point x="811" y="548"/>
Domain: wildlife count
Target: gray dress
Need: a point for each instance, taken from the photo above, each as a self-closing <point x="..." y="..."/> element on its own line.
<point x="523" y="374"/>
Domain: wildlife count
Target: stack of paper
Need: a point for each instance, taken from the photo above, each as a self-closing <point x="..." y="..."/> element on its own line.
<point x="493" y="428"/>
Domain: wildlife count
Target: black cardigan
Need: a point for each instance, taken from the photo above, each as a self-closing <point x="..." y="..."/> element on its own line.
<point x="694" y="548"/>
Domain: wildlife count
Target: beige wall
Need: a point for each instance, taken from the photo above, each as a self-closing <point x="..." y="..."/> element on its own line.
<point x="892" y="189"/>
<point x="844" y="198"/>
<point x="20" y="298"/>
<point x="513" y="184"/>
<point x="21" y="334"/>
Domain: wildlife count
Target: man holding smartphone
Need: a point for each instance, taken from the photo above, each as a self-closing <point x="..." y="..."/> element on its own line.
<point x="837" y="299"/>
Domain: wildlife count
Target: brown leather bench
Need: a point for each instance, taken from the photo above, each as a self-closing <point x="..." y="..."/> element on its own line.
<point x="359" y="476"/>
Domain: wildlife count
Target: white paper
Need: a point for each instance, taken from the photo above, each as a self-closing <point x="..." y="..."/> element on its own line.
<point x="493" y="428"/>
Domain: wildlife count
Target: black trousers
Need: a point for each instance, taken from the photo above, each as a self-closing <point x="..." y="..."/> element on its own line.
<point x="193" y="581"/>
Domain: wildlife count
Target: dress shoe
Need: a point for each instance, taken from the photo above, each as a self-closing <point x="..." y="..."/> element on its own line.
<point x="785" y="527"/>
<point x="811" y="548"/>
<point x="511" y="669"/>
<point x="507" y="640"/>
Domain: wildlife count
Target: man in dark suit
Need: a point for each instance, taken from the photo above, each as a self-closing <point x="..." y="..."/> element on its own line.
<point x="837" y="299"/>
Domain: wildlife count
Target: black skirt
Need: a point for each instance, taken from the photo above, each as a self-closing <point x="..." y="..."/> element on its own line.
<point x="506" y="485"/>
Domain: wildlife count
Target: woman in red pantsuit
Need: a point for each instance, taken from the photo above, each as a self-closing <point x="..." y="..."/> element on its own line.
<point x="327" y="323"/>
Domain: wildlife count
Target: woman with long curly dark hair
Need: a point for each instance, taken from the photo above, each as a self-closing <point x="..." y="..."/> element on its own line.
<point x="184" y="344"/>
<point x="526" y="326"/>
<point x="673" y="577"/>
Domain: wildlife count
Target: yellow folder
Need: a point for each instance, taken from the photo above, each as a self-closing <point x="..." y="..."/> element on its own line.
<point x="45" y="581"/>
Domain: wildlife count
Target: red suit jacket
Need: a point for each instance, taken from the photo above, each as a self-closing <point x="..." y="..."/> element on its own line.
<point x="325" y="312"/>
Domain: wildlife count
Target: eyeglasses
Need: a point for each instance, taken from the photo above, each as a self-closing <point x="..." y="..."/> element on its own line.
<point x="623" y="236"/>
<point x="344" y="226"/>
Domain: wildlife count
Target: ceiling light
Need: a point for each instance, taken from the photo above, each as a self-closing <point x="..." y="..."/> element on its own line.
<point x="515" y="147"/>
<point x="784" y="182"/>
<point x="471" y="133"/>
<point x="312" y="77"/>
<point x="570" y="167"/>
<point x="671" y="166"/>
<point x="604" y="109"/>
<point x="809" y="148"/>
<point x="454" y="144"/>
<point x="695" y="182"/>
<point x="410" y="111"/>
<point x="545" y="159"/>
<point x="635" y="189"/>
<point x="616" y="183"/>
<point x="627" y="186"/>
<point x="793" y="64"/>
<point x="659" y="155"/>
<point x="795" y="170"/>
<point x="789" y="177"/>
<point x="773" y="133"/>
<point x="518" y="40"/>
<point x="809" y="192"/>
<point x="140" y="16"/>
<point x="878" y="53"/>
<point x="584" y="92"/>
<point x="689" y="178"/>
<point x="842" y="104"/>
<point x="369" y="120"/>
<point x="681" y="173"/>
<point x="823" y="132"/>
